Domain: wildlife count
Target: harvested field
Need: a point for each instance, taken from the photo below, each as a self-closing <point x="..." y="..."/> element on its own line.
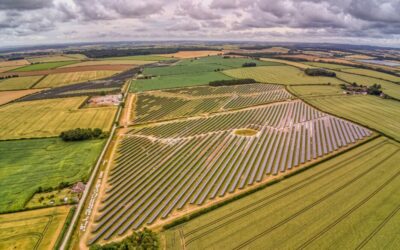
<point x="62" y="79"/>
<point x="192" y="54"/>
<point x="287" y="75"/>
<point x="374" y="112"/>
<point x="372" y="73"/>
<point x="47" y="118"/>
<point x="172" y="104"/>
<point x="74" y="69"/>
<point x="8" y="96"/>
<point x="17" y="83"/>
<point x="339" y="204"/>
<point x="327" y="65"/>
<point x="108" y="62"/>
<point x="187" y="164"/>
<point x="44" y="66"/>
<point x="6" y="69"/>
<point x="26" y="165"/>
<point x="13" y="63"/>
<point x="389" y="88"/>
<point x="36" y="229"/>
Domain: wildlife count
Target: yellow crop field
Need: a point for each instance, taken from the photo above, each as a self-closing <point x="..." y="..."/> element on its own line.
<point x="51" y="58"/>
<point x="287" y="75"/>
<point x="61" y="79"/>
<point x="35" y="229"/>
<point x="47" y="118"/>
<point x="18" y="82"/>
<point x="8" y="96"/>
<point x="13" y="63"/>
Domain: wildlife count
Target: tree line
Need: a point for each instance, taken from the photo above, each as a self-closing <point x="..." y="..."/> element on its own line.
<point x="80" y="134"/>
<point x="231" y="82"/>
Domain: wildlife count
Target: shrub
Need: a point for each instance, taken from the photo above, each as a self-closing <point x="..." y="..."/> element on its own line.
<point x="145" y="239"/>
<point x="80" y="134"/>
<point x="319" y="72"/>
<point x="249" y="64"/>
<point x="231" y="82"/>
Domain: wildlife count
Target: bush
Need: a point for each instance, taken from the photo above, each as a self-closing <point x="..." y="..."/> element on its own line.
<point x="320" y="72"/>
<point x="145" y="239"/>
<point x="249" y="64"/>
<point x="232" y="82"/>
<point x="81" y="134"/>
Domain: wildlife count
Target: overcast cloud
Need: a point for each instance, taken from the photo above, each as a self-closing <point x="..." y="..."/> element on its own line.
<point x="341" y="21"/>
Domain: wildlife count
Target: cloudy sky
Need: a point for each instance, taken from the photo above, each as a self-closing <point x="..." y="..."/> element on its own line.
<point x="374" y="22"/>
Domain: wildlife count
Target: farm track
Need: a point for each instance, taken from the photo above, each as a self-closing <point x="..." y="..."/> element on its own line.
<point x="306" y="208"/>
<point x="277" y="196"/>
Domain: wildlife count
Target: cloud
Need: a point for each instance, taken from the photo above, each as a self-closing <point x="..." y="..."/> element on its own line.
<point x="24" y="4"/>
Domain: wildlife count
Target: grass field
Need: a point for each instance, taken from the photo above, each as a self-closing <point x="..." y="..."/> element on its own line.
<point x="45" y="118"/>
<point x="8" y="96"/>
<point x="17" y="83"/>
<point x="44" y="66"/>
<point x="382" y="115"/>
<point x="177" y="81"/>
<point x="389" y="88"/>
<point x="348" y="202"/>
<point x="36" y="229"/>
<point x="140" y="58"/>
<point x="315" y="90"/>
<point x="287" y="75"/>
<point x="26" y="165"/>
<point x="62" y="79"/>
<point x="372" y="73"/>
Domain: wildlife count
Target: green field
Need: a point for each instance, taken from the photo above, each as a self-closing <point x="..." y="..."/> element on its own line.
<point x="17" y="83"/>
<point x="315" y="90"/>
<point x="389" y="88"/>
<point x="46" y="118"/>
<point x="372" y="73"/>
<point x="26" y="165"/>
<point x="347" y="202"/>
<point x="37" y="229"/>
<point x="177" y="81"/>
<point x="287" y="75"/>
<point x="44" y="66"/>
<point x="380" y="114"/>
<point x="139" y="58"/>
<point x="62" y="79"/>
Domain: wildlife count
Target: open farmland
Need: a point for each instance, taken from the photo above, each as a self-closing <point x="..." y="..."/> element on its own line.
<point x="44" y="66"/>
<point x="372" y="73"/>
<point x="62" y="79"/>
<point x="45" y="118"/>
<point x="13" y="63"/>
<point x="315" y="90"/>
<point x="348" y="202"/>
<point x="382" y="115"/>
<point x="287" y="75"/>
<point x="190" y="72"/>
<point x="55" y="58"/>
<point x="291" y="63"/>
<point x="107" y="62"/>
<point x="193" y="54"/>
<point x="184" y="165"/>
<point x="37" y="229"/>
<point x="17" y="83"/>
<point x="327" y="65"/>
<point x="177" y="81"/>
<point x="8" y="96"/>
<point x="25" y="163"/>
<point x="389" y="88"/>
<point x="171" y="104"/>
<point x="140" y="58"/>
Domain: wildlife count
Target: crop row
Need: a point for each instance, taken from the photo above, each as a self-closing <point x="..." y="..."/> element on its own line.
<point x="153" y="179"/>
